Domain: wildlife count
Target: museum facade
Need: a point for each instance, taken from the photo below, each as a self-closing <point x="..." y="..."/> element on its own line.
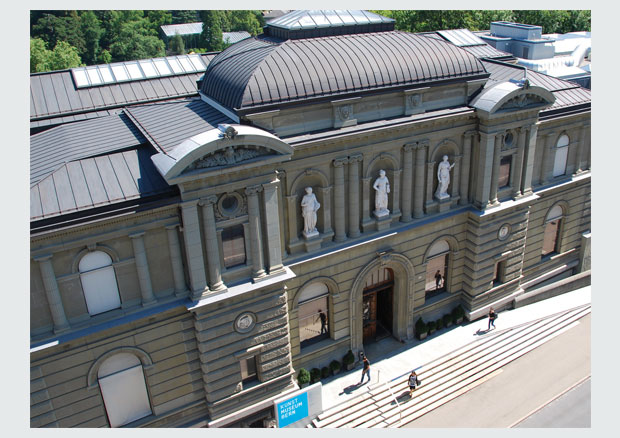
<point x="196" y="239"/>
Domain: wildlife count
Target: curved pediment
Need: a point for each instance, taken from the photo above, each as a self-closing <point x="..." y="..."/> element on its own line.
<point x="228" y="148"/>
<point x="510" y="97"/>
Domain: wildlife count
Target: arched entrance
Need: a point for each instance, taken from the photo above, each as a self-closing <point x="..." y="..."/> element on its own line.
<point x="377" y="305"/>
<point x="401" y="283"/>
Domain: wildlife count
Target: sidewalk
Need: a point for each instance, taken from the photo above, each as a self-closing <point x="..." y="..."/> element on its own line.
<point x="390" y="359"/>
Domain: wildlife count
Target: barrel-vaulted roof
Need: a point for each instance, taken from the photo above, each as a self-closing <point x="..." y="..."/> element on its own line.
<point x="259" y="71"/>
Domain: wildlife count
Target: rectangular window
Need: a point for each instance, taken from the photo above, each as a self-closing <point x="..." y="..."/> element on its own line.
<point x="125" y="396"/>
<point x="504" y="171"/>
<point x="311" y="325"/>
<point x="436" y="275"/>
<point x="559" y="164"/>
<point x="550" y="239"/>
<point x="248" y="369"/>
<point x="233" y="246"/>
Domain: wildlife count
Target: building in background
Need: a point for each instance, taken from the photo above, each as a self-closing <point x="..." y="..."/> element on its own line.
<point x="174" y="279"/>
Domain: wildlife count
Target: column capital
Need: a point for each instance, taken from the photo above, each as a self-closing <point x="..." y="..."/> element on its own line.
<point x="137" y="234"/>
<point x="423" y="143"/>
<point x="339" y="162"/>
<point x="42" y="257"/>
<point x="408" y="147"/>
<point x="189" y="204"/>
<point x="397" y="171"/>
<point x="355" y="158"/>
<point x="470" y="133"/>
<point x="207" y="200"/>
<point x="253" y="190"/>
<point x="291" y="198"/>
<point x="172" y="226"/>
<point x="325" y="190"/>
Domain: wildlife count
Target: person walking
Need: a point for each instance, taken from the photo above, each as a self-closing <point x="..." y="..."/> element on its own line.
<point x="365" y="370"/>
<point x="413" y="382"/>
<point x="492" y="318"/>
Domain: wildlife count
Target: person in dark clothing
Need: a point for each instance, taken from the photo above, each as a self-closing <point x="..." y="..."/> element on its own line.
<point x="437" y="279"/>
<point x="365" y="370"/>
<point x="323" y="318"/>
<point x="492" y="318"/>
<point x="413" y="382"/>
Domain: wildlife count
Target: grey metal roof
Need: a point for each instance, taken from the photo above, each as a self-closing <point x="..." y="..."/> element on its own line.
<point x="74" y="141"/>
<point x="311" y="19"/>
<point x="54" y="94"/>
<point x="168" y="124"/>
<point x="182" y="29"/>
<point x="461" y="37"/>
<point x="258" y="72"/>
<point x="95" y="182"/>
<point x="566" y="93"/>
<point x="235" y="37"/>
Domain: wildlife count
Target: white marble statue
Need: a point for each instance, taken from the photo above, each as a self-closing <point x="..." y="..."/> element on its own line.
<point x="382" y="188"/>
<point x="443" y="176"/>
<point x="309" y="207"/>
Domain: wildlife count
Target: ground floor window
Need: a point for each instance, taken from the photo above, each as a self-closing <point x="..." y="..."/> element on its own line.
<point x="123" y="388"/>
<point x="436" y="275"/>
<point x="248" y="370"/>
<point x="551" y="240"/>
<point x="313" y="314"/>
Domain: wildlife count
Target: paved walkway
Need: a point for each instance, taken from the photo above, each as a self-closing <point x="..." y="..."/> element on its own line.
<point x="390" y="359"/>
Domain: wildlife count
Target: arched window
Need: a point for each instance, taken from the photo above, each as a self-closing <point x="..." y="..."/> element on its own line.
<point x="561" y="155"/>
<point x="313" y="314"/>
<point x="123" y="388"/>
<point x="553" y="221"/>
<point x="436" y="268"/>
<point x="99" y="282"/>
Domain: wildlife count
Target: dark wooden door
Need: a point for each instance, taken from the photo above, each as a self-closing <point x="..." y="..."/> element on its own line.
<point x="369" y="316"/>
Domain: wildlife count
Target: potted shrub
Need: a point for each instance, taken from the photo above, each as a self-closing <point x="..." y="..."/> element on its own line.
<point x="421" y="329"/>
<point x="447" y="320"/>
<point x="335" y="366"/>
<point x="349" y="360"/>
<point x="458" y="314"/>
<point x="439" y="323"/>
<point x="432" y="326"/>
<point x="303" y="378"/>
<point x="315" y="375"/>
<point x="325" y="372"/>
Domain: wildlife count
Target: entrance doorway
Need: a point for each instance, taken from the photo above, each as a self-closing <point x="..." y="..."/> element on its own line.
<point x="377" y="305"/>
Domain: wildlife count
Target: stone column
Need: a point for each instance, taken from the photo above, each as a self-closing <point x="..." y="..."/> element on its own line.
<point x="430" y="180"/>
<point x="354" y="195"/>
<point x="456" y="175"/>
<point x="528" y="166"/>
<point x="366" y="182"/>
<point x="483" y="168"/>
<point x="407" y="182"/>
<point x="518" y="165"/>
<point x="464" y="187"/>
<point x="272" y="222"/>
<point x="142" y="266"/>
<point x="292" y="206"/>
<point x="211" y="244"/>
<point x="497" y="149"/>
<point x="281" y="183"/>
<point x="546" y="169"/>
<point x="52" y="293"/>
<point x="258" y="269"/>
<point x="326" y="193"/>
<point x="418" y="188"/>
<point x="395" y="186"/>
<point x="176" y="260"/>
<point x="193" y="249"/>
<point x="339" y="207"/>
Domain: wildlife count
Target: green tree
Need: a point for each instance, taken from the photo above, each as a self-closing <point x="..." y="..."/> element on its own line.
<point x="91" y="32"/>
<point x="177" y="45"/>
<point x="39" y="55"/>
<point x="64" y="56"/>
<point x="211" y="37"/>
<point x="180" y="17"/>
<point x="249" y="21"/>
<point x="133" y="40"/>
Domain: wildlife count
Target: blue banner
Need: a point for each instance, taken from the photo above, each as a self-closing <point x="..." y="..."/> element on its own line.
<point x="292" y="410"/>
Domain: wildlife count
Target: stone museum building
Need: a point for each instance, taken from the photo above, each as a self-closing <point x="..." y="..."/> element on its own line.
<point x="204" y="226"/>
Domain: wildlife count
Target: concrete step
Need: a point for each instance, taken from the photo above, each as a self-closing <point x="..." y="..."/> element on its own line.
<point x="447" y="377"/>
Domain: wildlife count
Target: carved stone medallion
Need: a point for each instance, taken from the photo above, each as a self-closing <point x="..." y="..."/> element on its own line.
<point x="245" y="322"/>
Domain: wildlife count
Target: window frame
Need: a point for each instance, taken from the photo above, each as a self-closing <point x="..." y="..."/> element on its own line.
<point x="551" y="217"/>
<point x="92" y="288"/>
<point x="499" y="172"/>
<point x="224" y="241"/>
<point x="563" y="147"/>
<point x="325" y="305"/>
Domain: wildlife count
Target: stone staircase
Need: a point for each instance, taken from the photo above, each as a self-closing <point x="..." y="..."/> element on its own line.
<point x="443" y="379"/>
